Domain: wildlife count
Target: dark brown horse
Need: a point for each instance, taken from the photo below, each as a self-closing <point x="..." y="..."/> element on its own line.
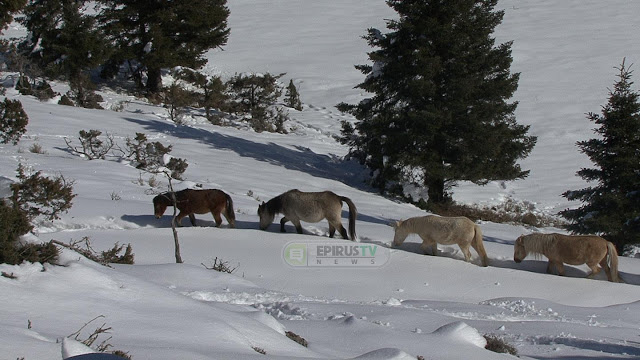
<point x="190" y="201"/>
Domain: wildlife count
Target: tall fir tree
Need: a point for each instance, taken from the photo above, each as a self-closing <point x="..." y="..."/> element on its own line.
<point x="611" y="208"/>
<point x="161" y="34"/>
<point x="63" y="39"/>
<point x="7" y="9"/>
<point x="439" y="112"/>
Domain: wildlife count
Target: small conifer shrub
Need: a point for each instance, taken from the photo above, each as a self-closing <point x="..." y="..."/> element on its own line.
<point x="14" y="223"/>
<point x="13" y="121"/>
<point x="91" y="146"/>
<point x="498" y="345"/>
<point x="24" y="86"/>
<point x="82" y="93"/>
<point x="39" y="195"/>
<point x="176" y="99"/>
<point x="292" y="97"/>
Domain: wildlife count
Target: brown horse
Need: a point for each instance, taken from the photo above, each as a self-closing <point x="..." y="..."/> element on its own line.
<point x="296" y="205"/>
<point x="434" y="230"/>
<point x="191" y="201"/>
<point x="572" y="250"/>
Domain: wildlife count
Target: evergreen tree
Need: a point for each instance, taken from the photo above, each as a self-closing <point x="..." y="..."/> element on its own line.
<point x="7" y="9"/>
<point x="213" y="92"/>
<point x="612" y="206"/>
<point x="13" y="121"/>
<point x="256" y="95"/>
<point x="292" y="97"/>
<point x="63" y="40"/>
<point x="254" y="92"/>
<point x="160" y="34"/>
<point x="439" y="112"/>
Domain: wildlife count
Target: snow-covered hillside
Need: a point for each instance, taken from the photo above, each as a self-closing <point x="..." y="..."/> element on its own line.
<point x="413" y="305"/>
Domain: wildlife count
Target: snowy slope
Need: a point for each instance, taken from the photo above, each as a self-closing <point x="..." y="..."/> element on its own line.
<point x="414" y="305"/>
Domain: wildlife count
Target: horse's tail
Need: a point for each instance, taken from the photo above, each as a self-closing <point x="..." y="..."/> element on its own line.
<point x="353" y="213"/>
<point x="479" y="245"/>
<point x="612" y="261"/>
<point x="231" y="215"/>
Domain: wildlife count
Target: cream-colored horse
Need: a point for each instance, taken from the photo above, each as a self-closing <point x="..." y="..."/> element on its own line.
<point x="436" y="230"/>
<point x="572" y="250"/>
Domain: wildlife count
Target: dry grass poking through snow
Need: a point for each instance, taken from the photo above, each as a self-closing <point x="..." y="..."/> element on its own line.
<point x="510" y="212"/>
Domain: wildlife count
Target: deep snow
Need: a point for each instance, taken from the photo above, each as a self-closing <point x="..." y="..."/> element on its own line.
<point x="436" y="307"/>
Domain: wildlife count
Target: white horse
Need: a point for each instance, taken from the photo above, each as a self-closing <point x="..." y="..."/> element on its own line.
<point x="442" y="230"/>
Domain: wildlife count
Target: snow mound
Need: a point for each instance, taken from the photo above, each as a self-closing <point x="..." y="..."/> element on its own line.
<point x="72" y="347"/>
<point x="460" y="331"/>
<point x="386" y="354"/>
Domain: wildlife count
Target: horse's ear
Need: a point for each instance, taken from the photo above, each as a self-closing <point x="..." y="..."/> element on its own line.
<point x="395" y="224"/>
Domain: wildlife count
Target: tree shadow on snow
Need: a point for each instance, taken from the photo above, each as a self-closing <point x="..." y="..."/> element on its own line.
<point x="604" y="348"/>
<point x="165" y="222"/>
<point x="299" y="158"/>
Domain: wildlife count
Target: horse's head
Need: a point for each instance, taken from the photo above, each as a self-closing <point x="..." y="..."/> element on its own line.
<point x="519" y="251"/>
<point x="159" y="206"/>
<point x="266" y="216"/>
<point x="400" y="234"/>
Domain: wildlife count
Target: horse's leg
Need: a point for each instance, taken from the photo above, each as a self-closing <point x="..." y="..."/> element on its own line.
<point x="232" y="222"/>
<point x="343" y="232"/>
<point x="605" y="266"/>
<point x="298" y="226"/>
<point x="560" y="268"/>
<point x="336" y="224"/>
<point x="595" y="269"/>
<point x="427" y="244"/>
<point x="466" y="252"/>
<point x="179" y="218"/>
<point x="217" y="218"/>
<point x="549" y="269"/>
<point x="332" y="230"/>
<point x="282" y="221"/>
<point x="192" y="218"/>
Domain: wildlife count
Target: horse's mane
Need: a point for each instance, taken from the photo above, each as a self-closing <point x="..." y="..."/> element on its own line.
<point x="538" y="243"/>
<point x="167" y="199"/>
<point x="274" y="206"/>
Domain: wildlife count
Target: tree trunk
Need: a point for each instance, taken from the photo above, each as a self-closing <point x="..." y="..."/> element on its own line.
<point x="154" y="80"/>
<point x="437" y="192"/>
<point x="173" y="223"/>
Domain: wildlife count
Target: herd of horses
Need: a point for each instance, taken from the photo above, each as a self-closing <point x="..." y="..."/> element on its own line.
<point x="297" y="206"/>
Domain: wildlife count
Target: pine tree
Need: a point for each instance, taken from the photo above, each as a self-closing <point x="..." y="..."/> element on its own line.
<point x="612" y="206"/>
<point x="254" y="92"/>
<point x="213" y="91"/>
<point x="292" y="97"/>
<point x="155" y="35"/>
<point x="439" y="112"/>
<point x="63" y="40"/>
<point x="13" y="121"/>
<point x="7" y="9"/>
<point x="256" y="95"/>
